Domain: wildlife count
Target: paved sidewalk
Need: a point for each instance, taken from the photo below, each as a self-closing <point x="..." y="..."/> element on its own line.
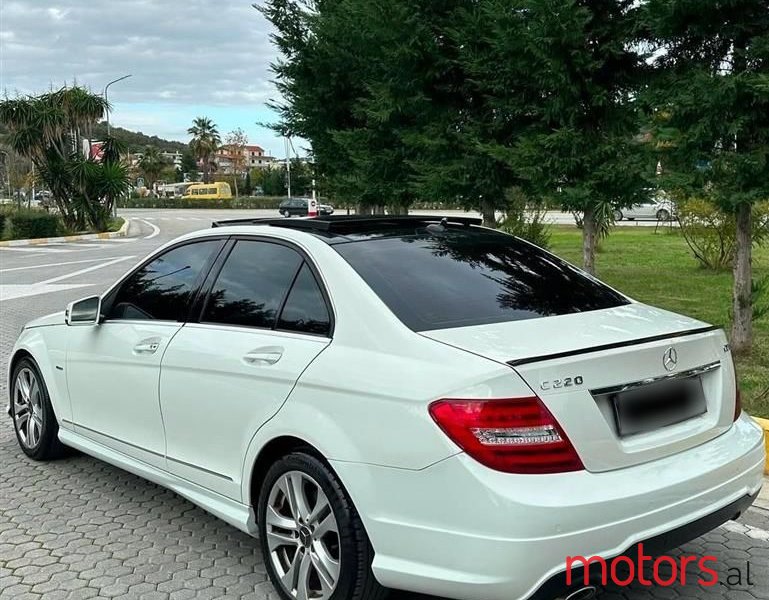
<point x="78" y="528"/>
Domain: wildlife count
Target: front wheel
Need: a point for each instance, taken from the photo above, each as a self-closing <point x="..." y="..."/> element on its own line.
<point x="618" y="215"/>
<point x="312" y="539"/>
<point x="663" y="215"/>
<point x="33" y="419"/>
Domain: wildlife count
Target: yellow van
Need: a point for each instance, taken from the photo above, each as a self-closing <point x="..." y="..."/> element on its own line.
<point x="218" y="190"/>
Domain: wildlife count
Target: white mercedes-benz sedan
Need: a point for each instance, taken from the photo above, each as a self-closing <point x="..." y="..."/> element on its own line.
<point x="397" y="402"/>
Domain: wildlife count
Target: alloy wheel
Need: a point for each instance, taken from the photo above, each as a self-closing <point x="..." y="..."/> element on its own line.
<point x="28" y="408"/>
<point x="303" y="537"/>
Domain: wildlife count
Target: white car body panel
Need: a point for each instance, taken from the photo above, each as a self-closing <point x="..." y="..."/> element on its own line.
<point x="230" y="395"/>
<point x="439" y="522"/>
<point x="115" y="386"/>
<point x="497" y="536"/>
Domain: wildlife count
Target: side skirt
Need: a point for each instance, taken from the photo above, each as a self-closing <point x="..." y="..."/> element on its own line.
<point x="238" y="515"/>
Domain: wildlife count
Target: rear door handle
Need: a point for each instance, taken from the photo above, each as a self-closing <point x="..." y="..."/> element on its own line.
<point x="148" y="346"/>
<point x="268" y="355"/>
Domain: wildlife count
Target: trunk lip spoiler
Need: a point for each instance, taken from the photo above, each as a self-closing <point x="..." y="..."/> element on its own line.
<point x="655" y="338"/>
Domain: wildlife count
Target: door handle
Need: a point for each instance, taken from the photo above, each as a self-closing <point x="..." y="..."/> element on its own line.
<point x="148" y="346"/>
<point x="268" y="355"/>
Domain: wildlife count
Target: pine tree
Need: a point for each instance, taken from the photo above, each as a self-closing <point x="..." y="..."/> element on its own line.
<point x="712" y="117"/>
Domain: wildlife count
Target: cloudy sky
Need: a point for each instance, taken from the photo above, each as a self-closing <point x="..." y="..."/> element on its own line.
<point x="187" y="58"/>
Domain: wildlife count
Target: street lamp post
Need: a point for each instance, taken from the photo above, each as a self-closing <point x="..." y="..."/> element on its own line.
<point x="106" y="101"/>
<point x="106" y="98"/>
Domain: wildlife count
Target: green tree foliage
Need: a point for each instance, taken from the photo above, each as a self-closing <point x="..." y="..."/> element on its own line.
<point x="235" y="143"/>
<point x="54" y="130"/>
<point x="576" y="71"/>
<point x="247" y="185"/>
<point x="459" y="100"/>
<point x="204" y="144"/>
<point x="189" y="165"/>
<point x="151" y="164"/>
<point x="711" y="123"/>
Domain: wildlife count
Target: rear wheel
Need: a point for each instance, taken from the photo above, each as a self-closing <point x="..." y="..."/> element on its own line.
<point x="33" y="419"/>
<point x="663" y="215"/>
<point x="618" y="215"/>
<point x="312" y="539"/>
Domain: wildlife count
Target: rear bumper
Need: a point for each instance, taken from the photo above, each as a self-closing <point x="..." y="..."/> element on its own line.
<point x="558" y="584"/>
<point x="460" y="530"/>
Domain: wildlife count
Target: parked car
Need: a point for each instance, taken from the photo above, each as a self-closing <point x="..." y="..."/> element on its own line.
<point x="298" y="207"/>
<point x="397" y="402"/>
<point x="658" y="209"/>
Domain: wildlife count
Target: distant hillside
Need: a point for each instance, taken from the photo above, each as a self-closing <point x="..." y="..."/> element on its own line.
<point x="137" y="141"/>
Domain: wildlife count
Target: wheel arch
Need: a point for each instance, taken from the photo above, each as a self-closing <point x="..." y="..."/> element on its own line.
<point x="270" y="452"/>
<point x="37" y="347"/>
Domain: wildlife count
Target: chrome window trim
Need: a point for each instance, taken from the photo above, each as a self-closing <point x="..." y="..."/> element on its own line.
<point x="651" y="380"/>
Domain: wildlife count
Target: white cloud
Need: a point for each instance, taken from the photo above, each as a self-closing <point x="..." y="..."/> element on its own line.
<point x="195" y="51"/>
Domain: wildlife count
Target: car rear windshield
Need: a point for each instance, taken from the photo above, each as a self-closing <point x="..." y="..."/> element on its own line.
<point x="471" y="276"/>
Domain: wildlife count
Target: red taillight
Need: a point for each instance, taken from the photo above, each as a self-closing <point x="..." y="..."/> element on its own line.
<point x="737" y="398"/>
<point x="512" y="435"/>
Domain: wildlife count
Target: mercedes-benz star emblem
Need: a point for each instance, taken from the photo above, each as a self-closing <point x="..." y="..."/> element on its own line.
<point x="670" y="359"/>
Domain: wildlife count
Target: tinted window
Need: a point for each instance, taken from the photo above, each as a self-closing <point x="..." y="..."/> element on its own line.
<point x="462" y="277"/>
<point x="305" y="308"/>
<point x="252" y="284"/>
<point x="163" y="288"/>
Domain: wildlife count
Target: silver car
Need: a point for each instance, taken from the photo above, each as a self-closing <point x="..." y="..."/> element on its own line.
<point x="659" y="209"/>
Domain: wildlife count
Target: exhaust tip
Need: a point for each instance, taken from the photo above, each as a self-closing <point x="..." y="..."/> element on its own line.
<point x="586" y="593"/>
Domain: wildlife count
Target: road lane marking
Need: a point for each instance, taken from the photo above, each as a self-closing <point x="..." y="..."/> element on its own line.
<point x="33" y="249"/>
<point x="24" y="290"/>
<point x="155" y="229"/>
<point x="61" y="264"/>
<point x="86" y="270"/>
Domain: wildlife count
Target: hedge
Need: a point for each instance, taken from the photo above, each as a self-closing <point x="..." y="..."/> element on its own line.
<point x="252" y="202"/>
<point x="27" y="224"/>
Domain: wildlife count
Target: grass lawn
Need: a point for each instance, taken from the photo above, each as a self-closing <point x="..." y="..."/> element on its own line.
<point x="659" y="269"/>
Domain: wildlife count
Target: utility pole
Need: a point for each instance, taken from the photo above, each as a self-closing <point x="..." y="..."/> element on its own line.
<point x="288" y="168"/>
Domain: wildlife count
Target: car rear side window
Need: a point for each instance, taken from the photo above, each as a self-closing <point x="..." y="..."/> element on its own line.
<point x="305" y="310"/>
<point x="252" y="284"/>
<point x="468" y="276"/>
<point x="162" y="289"/>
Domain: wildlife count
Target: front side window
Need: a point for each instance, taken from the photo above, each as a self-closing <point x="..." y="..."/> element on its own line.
<point x="162" y="289"/>
<point x="252" y="284"/>
<point x="305" y="310"/>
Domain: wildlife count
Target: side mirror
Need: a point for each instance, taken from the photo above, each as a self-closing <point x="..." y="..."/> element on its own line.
<point x="84" y="312"/>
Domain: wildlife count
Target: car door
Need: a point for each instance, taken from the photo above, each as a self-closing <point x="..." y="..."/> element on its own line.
<point x="263" y="321"/>
<point x="113" y="369"/>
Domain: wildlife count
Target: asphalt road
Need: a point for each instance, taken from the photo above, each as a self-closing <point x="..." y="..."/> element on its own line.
<point x="78" y="528"/>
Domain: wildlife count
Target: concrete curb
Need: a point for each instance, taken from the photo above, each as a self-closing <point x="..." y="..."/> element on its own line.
<point x="122" y="232"/>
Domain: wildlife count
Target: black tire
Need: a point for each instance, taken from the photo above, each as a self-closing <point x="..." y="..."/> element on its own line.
<point x="356" y="580"/>
<point x="663" y="215"/>
<point x="47" y="446"/>
<point x="618" y="215"/>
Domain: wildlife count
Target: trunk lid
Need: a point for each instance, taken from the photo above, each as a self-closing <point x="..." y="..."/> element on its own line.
<point x="578" y="364"/>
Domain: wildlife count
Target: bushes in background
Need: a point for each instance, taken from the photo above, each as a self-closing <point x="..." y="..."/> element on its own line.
<point x="710" y="232"/>
<point x="29" y="223"/>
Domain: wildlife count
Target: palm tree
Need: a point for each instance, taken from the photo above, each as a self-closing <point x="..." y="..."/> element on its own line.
<point x="50" y="129"/>
<point x="204" y="143"/>
<point x="152" y="164"/>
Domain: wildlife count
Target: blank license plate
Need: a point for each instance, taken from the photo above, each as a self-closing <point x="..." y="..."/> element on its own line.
<point x="657" y="405"/>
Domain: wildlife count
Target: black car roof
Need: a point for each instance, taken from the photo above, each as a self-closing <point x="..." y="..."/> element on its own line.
<point x="336" y="229"/>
